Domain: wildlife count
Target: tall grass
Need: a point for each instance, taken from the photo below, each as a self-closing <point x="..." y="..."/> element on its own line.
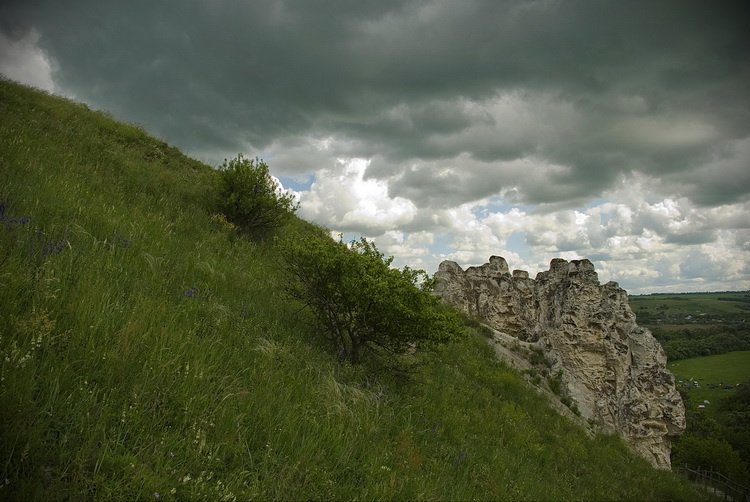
<point x="147" y="352"/>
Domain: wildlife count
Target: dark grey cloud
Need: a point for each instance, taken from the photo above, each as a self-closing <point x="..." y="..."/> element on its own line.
<point x="443" y="96"/>
<point x="702" y="236"/>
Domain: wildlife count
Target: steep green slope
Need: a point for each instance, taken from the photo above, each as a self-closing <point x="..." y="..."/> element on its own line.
<point x="147" y="352"/>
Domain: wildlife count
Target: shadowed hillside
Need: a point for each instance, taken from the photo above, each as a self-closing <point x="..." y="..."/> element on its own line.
<point x="147" y="351"/>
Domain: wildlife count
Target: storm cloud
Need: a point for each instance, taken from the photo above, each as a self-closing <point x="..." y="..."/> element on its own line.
<point x="439" y="116"/>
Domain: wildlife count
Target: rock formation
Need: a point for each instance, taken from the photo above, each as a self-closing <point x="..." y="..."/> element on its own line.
<point x="613" y="371"/>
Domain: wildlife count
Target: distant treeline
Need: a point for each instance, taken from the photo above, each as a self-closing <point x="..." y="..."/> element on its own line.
<point x="744" y="299"/>
<point x="686" y="343"/>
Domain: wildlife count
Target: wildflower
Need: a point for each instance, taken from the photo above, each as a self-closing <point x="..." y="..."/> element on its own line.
<point x="156" y="495"/>
<point x="7" y="218"/>
<point x="121" y="241"/>
<point x="194" y="292"/>
<point x="50" y="247"/>
<point x="380" y="397"/>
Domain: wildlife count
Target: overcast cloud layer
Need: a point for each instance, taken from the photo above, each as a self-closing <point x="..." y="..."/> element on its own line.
<point x="445" y="129"/>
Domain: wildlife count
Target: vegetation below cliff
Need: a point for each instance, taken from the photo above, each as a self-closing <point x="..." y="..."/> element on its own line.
<point x="718" y="414"/>
<point x="703" y="335"/>
<point x="147" y="350"/>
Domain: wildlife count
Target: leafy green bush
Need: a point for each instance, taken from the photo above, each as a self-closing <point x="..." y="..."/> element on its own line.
<point x="709" y="453"/>
<point x="250" y="198"/>
<point x="719" y="445"/>
<point x="697" y="342"/>
<point x="734" y="414"/>
<point x="360" y="304"/>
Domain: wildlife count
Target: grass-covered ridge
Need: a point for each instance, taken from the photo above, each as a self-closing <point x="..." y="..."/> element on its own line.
<point x="147" y="351"/>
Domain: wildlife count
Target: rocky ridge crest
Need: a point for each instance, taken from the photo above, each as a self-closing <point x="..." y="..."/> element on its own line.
<point x="609" y="369"/>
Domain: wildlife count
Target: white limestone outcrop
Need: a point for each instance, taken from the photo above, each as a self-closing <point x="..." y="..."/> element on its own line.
<point x="612" y="370"/>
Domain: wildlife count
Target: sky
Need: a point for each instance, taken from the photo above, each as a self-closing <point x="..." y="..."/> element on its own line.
<point x="617" y="131"/>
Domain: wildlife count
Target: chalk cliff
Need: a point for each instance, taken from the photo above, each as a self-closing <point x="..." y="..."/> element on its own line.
<point x="613" y="371"/>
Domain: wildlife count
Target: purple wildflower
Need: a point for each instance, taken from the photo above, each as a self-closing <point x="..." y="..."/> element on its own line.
<point x="122" y="242"/>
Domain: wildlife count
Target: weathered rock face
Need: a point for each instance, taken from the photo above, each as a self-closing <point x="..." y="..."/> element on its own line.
<point x="612" y="369"/>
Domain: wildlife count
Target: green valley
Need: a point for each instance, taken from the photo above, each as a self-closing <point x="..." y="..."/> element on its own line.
<point x="707" y="340"/>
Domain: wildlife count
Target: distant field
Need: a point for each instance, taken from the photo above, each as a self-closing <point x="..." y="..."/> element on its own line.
<point x="692" y="308"/>
<point x="719" y="370"/>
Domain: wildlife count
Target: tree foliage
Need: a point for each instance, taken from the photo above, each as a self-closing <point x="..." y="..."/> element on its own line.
<point x="719" y="444"/>
<point x="709" y="453"/>
<point x="250" y="197"/>
<point x="361" y="305"/>
<point x="734" y="414"/>
<point x="686" y="343"/>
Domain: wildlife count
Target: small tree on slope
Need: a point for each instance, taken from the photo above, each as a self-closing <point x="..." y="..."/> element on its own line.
<point x="360" y="304"/>
<point x="250" y="197"/>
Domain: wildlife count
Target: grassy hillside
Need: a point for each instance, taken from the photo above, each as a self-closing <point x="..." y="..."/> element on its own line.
<point x="146" y="351"/>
